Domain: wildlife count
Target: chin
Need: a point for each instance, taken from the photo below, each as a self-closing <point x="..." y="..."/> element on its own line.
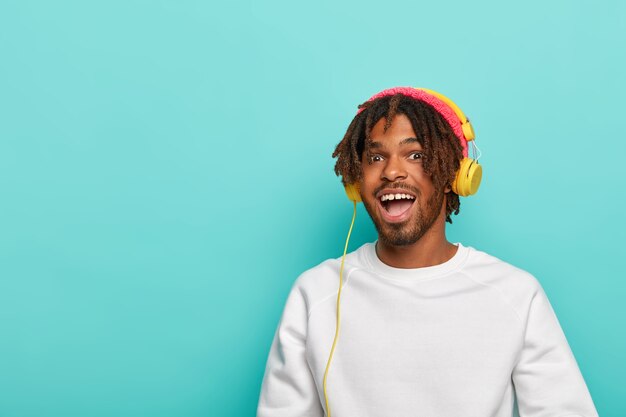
<point x="392" y="238"/>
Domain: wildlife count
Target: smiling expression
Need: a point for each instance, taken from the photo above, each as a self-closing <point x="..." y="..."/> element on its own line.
<point x="396" y="192"/>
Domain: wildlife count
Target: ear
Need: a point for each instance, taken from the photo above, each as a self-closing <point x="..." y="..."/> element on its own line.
<point x="447" y="189"/>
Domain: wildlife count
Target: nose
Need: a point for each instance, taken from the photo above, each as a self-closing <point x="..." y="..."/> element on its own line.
<point x="393" y="170"/>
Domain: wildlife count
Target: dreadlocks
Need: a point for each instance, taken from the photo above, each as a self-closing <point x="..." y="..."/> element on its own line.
<point x="442" y="148"/>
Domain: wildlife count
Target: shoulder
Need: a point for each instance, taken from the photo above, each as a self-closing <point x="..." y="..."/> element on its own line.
<point x="515" y="284"/>
<point x="322" y="281"/>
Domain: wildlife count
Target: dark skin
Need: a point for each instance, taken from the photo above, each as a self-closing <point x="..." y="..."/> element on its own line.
<point x="392" y="160"/>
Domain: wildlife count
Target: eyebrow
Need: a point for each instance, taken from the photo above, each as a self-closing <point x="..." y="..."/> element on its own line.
<point x="375" y="145"/>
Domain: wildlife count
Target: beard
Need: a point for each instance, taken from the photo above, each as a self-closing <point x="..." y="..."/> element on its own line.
<point x="412" y="229"/>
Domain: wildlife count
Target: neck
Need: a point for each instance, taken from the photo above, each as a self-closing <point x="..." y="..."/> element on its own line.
<point x="431" y="249"/>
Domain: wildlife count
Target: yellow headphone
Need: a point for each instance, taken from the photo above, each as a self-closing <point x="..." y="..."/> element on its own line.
<point x="470" y="172"/>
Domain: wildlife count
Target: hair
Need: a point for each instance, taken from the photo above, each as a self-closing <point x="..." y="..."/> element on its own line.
<point x="442" y="148"/>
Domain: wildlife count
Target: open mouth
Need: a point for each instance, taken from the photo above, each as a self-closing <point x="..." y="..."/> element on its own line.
<point x="396" y="206"/>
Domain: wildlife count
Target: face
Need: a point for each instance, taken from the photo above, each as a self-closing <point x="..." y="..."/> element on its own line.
<point x="398" y="195"/>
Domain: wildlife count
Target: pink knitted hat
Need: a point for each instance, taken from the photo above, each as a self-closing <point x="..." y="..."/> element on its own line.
<point x="439" y="105"/>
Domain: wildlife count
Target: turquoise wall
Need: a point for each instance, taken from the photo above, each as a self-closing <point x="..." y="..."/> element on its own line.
<point x="165" y="173"/>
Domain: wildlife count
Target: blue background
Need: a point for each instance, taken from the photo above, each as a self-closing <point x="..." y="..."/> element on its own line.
<point x="166" y="174"/>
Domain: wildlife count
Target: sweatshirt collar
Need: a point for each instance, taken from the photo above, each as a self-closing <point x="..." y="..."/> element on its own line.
<point x="426" y="272"/>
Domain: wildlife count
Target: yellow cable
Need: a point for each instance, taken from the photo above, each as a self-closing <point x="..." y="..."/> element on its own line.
<point x="332" y="350"/>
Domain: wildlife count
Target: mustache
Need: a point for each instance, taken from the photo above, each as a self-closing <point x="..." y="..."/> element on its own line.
<point x="399" y="185"/>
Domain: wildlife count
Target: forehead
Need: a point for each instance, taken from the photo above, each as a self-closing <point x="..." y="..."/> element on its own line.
<point x="400" y="132"/>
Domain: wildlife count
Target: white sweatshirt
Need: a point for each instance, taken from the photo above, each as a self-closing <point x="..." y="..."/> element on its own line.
<point x="459" y="339"/>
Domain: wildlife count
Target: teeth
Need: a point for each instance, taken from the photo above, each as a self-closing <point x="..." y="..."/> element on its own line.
<point x="387" y="197"/>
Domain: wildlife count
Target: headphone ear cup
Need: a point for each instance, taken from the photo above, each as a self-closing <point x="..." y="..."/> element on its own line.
<point x="353" y="192"/>
<point x="467" y="178"/>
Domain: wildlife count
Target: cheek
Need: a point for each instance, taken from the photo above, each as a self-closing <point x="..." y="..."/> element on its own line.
<point x="367" y="174"/>
<point x="372" y="170"/>
<point x="369" y="182"/>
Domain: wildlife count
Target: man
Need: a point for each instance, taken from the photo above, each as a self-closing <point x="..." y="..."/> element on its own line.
<point x="428" y="328"/>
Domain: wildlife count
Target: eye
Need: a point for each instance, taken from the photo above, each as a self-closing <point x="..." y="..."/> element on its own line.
<point x="375" y="158"/>
<point x="416" y="156"/>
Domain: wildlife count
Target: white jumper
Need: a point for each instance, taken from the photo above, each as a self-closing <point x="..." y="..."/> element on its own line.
<point x="458" y="339"/>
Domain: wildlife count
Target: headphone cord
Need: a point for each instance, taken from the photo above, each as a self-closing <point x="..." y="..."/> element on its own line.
<point x="332" y="350"/>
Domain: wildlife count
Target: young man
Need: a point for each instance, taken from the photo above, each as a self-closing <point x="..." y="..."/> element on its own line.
<point x="428" y="328"/>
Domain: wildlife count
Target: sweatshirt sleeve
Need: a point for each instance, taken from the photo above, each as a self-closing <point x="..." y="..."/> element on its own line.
<point x="288" y="387"/>
<point x="548" y="382"/>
